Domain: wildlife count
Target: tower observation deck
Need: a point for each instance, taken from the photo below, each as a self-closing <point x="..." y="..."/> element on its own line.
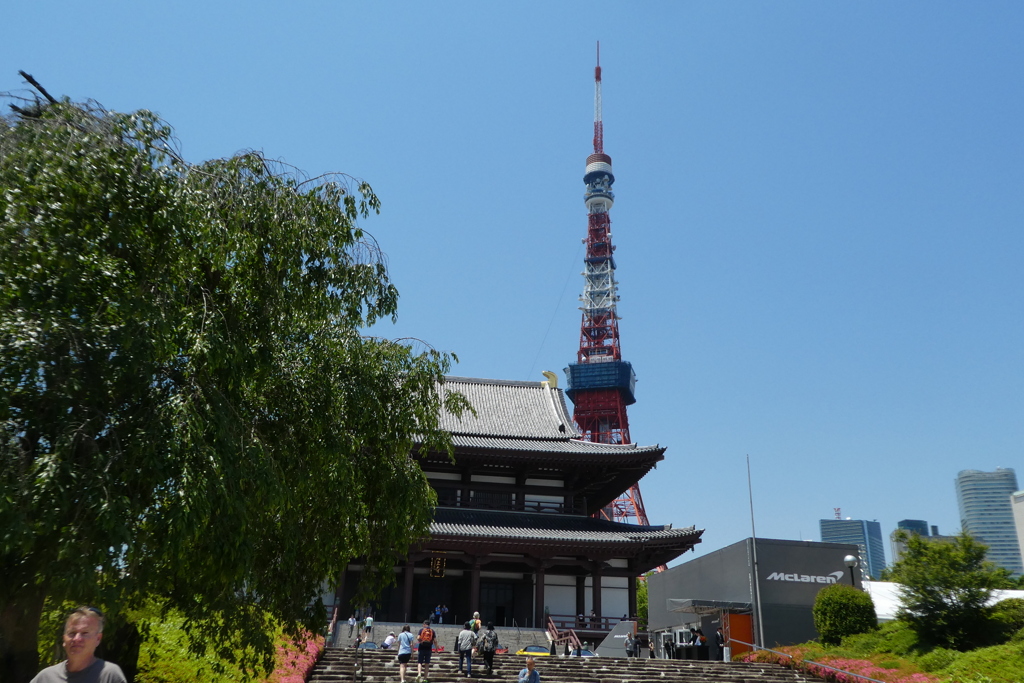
<point x="600" y="383"/>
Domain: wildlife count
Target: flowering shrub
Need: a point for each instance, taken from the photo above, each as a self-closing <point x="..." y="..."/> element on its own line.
<point x="794" y="658"/>
<point x="294" y="660"/>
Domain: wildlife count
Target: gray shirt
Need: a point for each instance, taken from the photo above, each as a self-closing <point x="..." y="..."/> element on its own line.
<point x="99" y="671"/>
<point x="466" y="640"/>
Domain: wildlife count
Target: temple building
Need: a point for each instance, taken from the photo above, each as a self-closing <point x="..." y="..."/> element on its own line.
<point x="515" y="535"/>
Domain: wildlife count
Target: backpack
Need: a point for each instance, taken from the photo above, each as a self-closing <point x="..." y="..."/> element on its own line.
<point x="426" y="635"/>
<point x="476" y="626"/>
<point x="489" y="641"/>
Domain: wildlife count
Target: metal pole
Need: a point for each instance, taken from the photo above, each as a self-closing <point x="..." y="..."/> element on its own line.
<point x="753" y="541"/>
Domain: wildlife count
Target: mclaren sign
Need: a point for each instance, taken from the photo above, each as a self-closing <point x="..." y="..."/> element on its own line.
<point x="805" y="578"/>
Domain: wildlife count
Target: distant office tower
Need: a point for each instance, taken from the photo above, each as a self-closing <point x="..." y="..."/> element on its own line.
<point x="908" y="526"/>
<point x="986" y="513"/>
<point x="1017" y="503"/>
<point x="914" y="526"/>
<point x="866" y="535"/>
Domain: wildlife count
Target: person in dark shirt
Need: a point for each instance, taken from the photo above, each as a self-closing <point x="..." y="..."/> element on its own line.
<point x="83" y="632"/>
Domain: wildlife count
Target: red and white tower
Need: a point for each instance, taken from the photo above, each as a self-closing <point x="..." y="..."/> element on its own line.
<point x="601" y="384"/>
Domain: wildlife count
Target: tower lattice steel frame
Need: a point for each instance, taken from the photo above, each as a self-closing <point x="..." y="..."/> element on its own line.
<point x="601" y="384"/>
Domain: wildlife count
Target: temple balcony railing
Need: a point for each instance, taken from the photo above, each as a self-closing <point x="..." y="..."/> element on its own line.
<point x="526" y="506"/>
<point x="579" y="622"/>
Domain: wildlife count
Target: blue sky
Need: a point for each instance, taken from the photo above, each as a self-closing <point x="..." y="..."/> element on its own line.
<point x="818" y="209"/>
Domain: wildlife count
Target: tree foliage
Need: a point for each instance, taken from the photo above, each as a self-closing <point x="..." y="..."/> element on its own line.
<point x="840" y="610"/>
<point x="188" y="408"/>
<point x="945" y="587"/>
<point x="1007" y="617"/>
<point x="643" y="601"/>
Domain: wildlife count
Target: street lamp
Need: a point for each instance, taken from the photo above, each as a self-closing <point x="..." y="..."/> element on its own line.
<point x="851" y="562"/>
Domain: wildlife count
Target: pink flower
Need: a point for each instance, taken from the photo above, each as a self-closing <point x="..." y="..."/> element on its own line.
<point x="294" y="661"/>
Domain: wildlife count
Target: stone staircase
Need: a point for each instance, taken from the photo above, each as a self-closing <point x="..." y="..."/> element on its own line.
<point x="508" y="636"/>
<point x="348" y="665"/>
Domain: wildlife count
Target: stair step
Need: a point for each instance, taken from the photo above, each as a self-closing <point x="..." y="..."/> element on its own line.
<point x="348" y="665"/>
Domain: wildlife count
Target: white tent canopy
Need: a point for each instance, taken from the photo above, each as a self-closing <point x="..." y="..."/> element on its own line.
<point x="886" y="596"/>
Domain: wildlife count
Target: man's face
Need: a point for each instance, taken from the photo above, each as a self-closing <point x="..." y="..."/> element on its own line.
<point x="529" y="664"/>
<point x="81" y="636"/>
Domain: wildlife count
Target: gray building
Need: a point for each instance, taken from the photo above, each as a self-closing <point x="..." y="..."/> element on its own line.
<point x="789" y="576"/>
<point x="917" y="527"/>
<point x="1017" y="503"/>
<point x="864" y="534"/>
<point x="986" y="513"/>
<point x="913" y="526"/>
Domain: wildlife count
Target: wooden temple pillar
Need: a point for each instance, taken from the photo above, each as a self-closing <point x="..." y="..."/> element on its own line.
<point x="631" y="592"/>
<point x="581" y="598"/>
<point x="474" y="586"/>
<point x="410" y="571"/>
<point x="538" y="593"/>
<point x="595" y="580"/>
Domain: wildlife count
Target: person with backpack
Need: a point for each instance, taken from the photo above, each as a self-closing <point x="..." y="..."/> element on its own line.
<point x="425" y="648"/>
<point x="488" y="646"/>
<point x="475" y="622"/>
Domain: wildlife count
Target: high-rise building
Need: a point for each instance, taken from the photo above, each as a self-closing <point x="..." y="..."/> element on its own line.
<point x="986" y="513"/>
<point x="909" y="527"/>
<point x="913" y="526"/>
<point x="1017" y="503"/>
<point x="918" y="527"/>
<point x="862" y="533"/>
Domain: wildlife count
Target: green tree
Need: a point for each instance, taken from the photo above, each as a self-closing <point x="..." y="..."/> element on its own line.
<point x="1007" y="619"/>
<point x="642" y="601"/>
<point x="840" y="610"/>
<point x="945" y="587"/>
<point x="189" y="410"/>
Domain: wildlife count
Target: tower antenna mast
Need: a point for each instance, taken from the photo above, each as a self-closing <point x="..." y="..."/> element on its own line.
<point x="601" y="384"/>
<point x="598" y="122"/>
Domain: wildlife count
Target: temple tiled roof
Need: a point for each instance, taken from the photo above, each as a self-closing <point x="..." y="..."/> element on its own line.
<point x="522" y="416"/>
<point x="539" y="527"/>
<point x="521" y="410"/>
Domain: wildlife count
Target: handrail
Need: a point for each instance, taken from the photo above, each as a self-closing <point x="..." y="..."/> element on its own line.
<point x="558" y="637"/>
<point x="806" y="661"/>
<point x="519" y="632"/>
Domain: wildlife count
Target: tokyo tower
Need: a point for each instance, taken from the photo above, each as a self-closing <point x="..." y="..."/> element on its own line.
<point x="600" y="383"/>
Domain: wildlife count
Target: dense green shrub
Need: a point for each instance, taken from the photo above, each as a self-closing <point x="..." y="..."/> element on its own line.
<point x="894" y="637"/>
<point x="999" y="664"/>
<point x="167" y="658"/>
<point x="1007" y="618"/>
<point x="841" y="610"/>
<point x="937" y="659"/>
